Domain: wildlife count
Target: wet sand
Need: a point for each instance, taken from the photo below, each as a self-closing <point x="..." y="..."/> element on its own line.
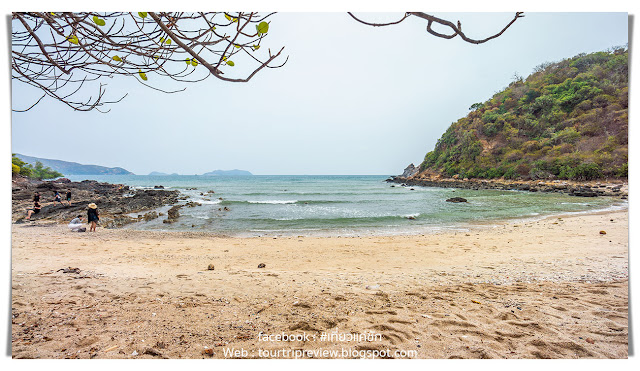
<point x="553" y="288"/>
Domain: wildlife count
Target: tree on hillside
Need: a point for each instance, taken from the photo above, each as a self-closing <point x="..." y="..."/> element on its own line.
<point x="64" y="54"/>
<point x="38" y="172"/>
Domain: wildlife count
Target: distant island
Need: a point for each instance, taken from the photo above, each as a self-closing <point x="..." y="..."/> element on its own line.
<point x="234" y="172"/>
<point x="157" y="173"/>
<point x="74" y="168"/>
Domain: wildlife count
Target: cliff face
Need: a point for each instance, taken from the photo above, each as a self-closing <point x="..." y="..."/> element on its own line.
<point x="568" y="120"/>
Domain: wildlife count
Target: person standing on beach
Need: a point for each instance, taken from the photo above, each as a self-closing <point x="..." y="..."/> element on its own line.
<point x="92" y="216"/>
<point x="69" y="197"/>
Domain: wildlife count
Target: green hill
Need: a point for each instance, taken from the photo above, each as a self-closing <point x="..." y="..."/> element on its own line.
<point x="568" y="120"/>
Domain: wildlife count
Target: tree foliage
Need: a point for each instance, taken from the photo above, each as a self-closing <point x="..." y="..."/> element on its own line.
<point x="39" y="171"/>
<point x="64" y="54"/>
<point x="568" y="120"/>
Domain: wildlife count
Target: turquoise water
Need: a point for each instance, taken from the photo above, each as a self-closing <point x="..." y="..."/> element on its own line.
<point x="342" y="205"/>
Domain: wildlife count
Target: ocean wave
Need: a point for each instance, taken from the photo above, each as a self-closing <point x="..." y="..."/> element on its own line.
<point x="274" y="202"/>
<point x="208" y="202"/>
<point x="284" y="202"/>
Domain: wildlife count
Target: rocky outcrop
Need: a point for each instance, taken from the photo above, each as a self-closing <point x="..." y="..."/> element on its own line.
<point x="409" y="171"/>
<point x="114" y="200"/>
<point x="149" y="216"/>
<point x="579" y="189"/>
<point x="173" y="214"/>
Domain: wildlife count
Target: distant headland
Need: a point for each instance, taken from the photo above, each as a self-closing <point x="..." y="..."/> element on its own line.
<point x="74" y="168"/>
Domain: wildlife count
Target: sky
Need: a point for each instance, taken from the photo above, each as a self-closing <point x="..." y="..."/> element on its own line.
<point x="352" y="99"/>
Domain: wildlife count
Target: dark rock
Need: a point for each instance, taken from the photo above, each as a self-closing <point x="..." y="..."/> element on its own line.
<point x="261" y="265"/>
<point x="409" y="171"/>
<point x="158" y="187"/>
<point x="70" y="270"/>
<point x="583" y="193"/>
<point x="153" y="352"/>
<point x="150" y="216"/>
<point x="456" y="199"/>
<point x="211" y="267"/>
<point x="173" y="213"/>
<point x="63" y="180"/>
<point x="116" y="221"/>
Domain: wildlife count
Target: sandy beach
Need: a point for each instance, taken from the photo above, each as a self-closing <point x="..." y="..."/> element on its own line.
<point x="551" y="288"/>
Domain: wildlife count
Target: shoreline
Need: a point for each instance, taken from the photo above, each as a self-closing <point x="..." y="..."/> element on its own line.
<point x="553" y="288"/>
<point x="461" y="227"/>
<point x="126" y="206"/>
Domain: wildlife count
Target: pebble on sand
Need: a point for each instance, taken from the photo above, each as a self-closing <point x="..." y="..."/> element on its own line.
<point x="261" y="265"/>
<point x="603" y="232"/>
<point x="211" y="267"/>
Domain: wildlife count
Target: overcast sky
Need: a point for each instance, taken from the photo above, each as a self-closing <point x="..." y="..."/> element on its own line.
<point x="351" y="100"/>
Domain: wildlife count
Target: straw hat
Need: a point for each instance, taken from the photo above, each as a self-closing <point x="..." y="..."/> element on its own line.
<point x="93" y="206"/>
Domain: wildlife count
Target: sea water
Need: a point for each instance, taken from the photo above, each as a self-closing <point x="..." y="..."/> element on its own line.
<point x="262" y="205"/>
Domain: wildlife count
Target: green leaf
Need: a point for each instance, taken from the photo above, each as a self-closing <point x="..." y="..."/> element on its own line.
<point x="187" y="61"/>
<point x="73" y="39"/>
<point x="168" y="42"/>
<point x="230" y="63"/>
<point x="235" y="20"/>
<point x="98" y="21"/>
<point x="256" y="47"/>
<point x="156" y="57"/>
<point x="237" y="46"/>
<point x="194" y="62"/>
<point x="116" y="58"/>
<point x="142" y="14"/>
<point x="142" y="75"/>
<point x="262" y="28"/>
<point x="227" y="17"/>
<point x="162" y="40"/>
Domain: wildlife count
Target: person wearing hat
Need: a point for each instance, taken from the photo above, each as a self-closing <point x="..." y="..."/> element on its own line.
<point x="92" y="216"/>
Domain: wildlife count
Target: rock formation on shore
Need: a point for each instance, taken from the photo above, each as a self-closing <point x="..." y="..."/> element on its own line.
<point x="114" y="201"/>
<point x="615" y="188"/>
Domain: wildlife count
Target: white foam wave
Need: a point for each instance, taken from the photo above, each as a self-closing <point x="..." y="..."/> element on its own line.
<point x="207" y="202"/>
<point x="274" y="202"/>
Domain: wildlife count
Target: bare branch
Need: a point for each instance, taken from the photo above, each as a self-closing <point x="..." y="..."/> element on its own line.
<point x="456" y="29"/>
<point x="378" y="24"/>
<point x="66" y="55"/>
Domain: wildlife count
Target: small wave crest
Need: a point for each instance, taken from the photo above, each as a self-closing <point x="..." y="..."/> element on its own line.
<point x="274" y="202"/>
<point x="209" y="202"/>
